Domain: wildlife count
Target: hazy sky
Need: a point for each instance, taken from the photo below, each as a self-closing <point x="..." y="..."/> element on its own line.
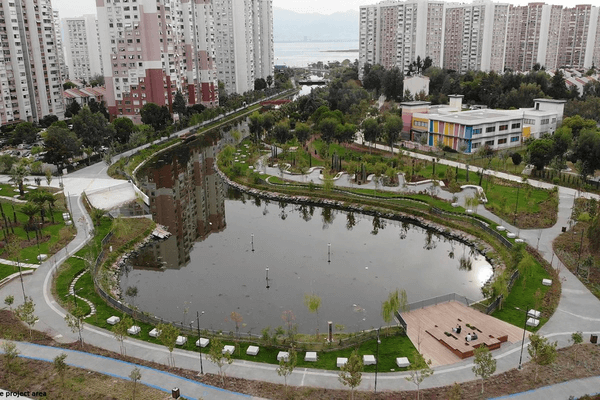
<point x="76" y="8"/>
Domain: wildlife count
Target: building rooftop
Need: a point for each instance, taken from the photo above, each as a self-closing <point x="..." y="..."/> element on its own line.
<point x="476" y="116"/>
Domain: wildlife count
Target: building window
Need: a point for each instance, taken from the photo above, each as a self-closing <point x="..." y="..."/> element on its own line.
<point x="503" y="127"/>
<point x="516" y="125"/>
<point x="514" y="139"/>
<point x="545" y="121"/>
<point x="502" y="141"/>
<point x="477" y="131"/>
<point x="529" y="121"/>
<point x="475" y="145"/>
<point x="490" y="129"/>
<point x="489" y="143"/>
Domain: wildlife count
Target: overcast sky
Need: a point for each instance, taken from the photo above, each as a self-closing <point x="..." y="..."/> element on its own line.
<point x="76" y="8"/>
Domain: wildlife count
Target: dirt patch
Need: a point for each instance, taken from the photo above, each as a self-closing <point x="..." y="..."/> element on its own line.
<point x="574" y="362"/>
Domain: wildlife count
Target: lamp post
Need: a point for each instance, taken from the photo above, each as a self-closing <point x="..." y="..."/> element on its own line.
<point x="523" y="341"/>
<point x="21" y="276"/>
<point x="198" y="318"/>
<point x="252" y="236"/>
<point x="328" y="252"/>
<point x="377" y="359"/>
<point x="580" y="247"/>
<point x="516" y="205"/>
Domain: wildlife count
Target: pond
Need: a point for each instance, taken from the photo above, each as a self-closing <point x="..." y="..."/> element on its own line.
<point x="223" y="242"/>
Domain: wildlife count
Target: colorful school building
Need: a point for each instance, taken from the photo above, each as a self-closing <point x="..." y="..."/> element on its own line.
<point x="467" y="131"/>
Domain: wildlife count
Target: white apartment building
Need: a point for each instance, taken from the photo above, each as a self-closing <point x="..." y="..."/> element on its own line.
<point x="59" y="45"/>
<point x="30" y="79"/>
<point x="243" y="42"/>
<point x="82" y="44"/>
<point x="481" y="35"/>
<point x="153" y="48"/>
<point x="394" y="33"/>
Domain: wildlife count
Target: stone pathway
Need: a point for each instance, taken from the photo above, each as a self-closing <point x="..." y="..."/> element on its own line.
<point x="72" y="293"/>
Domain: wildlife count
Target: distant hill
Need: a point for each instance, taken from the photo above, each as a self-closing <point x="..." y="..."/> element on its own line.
<point x="290" y="26"/>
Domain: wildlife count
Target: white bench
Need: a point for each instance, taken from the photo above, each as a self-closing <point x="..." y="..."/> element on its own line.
<point x="369" y="359"/>
<point x="228" y="349"/>
<point x="181" y="340"/>
<point x="113" y="320"/>
<point x="534" y="313"/>
<point x="134" y="330"/>
<point x="341" y="361"/>
<point x="402" y="362"/>
<point x="154" y="333"/>
<point x="252" y="350"/>
<point x="202" y="342"/>
<point x="533" y="322"/>
<point x="511" y="235"/>
<point x="310" y="356"/>
<point x="547" y="282"/>
<point x="283" y="355"/>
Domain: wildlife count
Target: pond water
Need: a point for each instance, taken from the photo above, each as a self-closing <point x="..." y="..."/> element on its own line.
<point x="208" y="263"/>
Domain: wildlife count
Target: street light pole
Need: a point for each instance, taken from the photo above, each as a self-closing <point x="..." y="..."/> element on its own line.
<point x="198" y="318"/>
<point x="523" y="341"/>
<point x="580" y="247"/>
<point x="517" y="204"/>
<point x="377" y="359"/>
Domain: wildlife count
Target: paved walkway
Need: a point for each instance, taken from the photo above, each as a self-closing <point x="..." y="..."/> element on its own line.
<point x="157" y="379"/>
<point x="578" y="309"/>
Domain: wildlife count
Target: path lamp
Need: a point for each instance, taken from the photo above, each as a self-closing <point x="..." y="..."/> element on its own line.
<point x="517" y="204"/>
<point x="252" y="237"/>
<point x="523" y="341"/>
<point x="198" y="318"/>
<point x="328" y="252"/>
<point x="21" y="276"/>
<point x="377" y="359"/>
<point x="580" y="247"/>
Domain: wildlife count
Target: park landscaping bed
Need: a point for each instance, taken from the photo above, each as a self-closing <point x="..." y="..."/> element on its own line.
<point x="573" y="248"/>
<point x="575" y="362"/>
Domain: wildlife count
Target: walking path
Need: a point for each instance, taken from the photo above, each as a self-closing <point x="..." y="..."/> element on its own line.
<point x="157" y="379"/>
<point x="578" y="309"/>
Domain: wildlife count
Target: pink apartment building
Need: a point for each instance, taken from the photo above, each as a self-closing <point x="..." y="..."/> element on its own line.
<point x="153" y="48"/>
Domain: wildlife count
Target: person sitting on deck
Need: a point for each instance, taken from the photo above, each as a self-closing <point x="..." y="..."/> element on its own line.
<point x="468" y="337"/>
<point x="457" y="329"/>
<point x="473" y="336"/>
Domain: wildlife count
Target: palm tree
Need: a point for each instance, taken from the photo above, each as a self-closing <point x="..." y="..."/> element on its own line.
<point x="39" y="198"/>
<point x="18" y="175"/>
<point x="50" y="199"/>
<point x="30" y="210"/>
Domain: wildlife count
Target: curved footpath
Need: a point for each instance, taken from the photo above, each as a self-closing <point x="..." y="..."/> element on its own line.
<point x="578" y="310"/>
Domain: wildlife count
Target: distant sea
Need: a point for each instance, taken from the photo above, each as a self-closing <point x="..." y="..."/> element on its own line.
<point x="300" y="54"/>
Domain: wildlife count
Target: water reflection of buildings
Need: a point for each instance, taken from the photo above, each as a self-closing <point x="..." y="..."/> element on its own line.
<point x="186" y="196"/>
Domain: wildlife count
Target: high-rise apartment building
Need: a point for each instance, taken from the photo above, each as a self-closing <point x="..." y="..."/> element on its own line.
<point x="59" y="45"/>
<point x="394" y="33"/>
<point x="30" y="79"/>
<point x="482" y="35"/>
<point x="82" y="44"/>
<point x="243" y="42"/>
<point x="151" y="49"/>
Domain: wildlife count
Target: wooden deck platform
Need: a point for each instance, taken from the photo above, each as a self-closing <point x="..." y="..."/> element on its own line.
<point x="427" y="327"/>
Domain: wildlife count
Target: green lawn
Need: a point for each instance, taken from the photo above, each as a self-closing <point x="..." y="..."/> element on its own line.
<point x="6" y="270"/>
<point x="522" y="295"/>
